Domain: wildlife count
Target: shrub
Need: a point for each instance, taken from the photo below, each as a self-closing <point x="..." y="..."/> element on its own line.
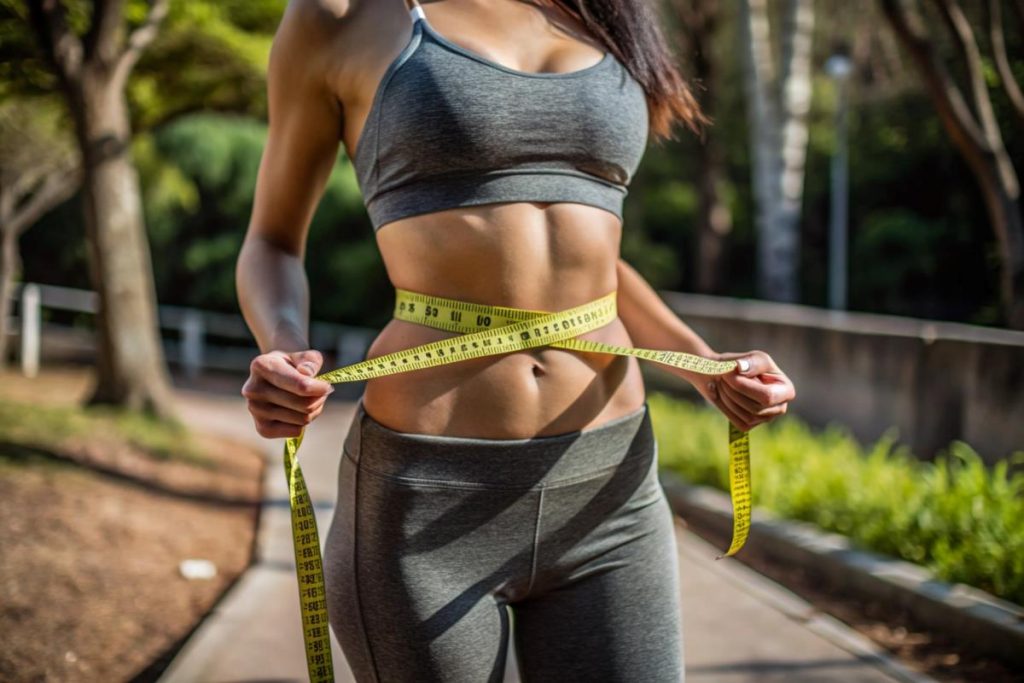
<point x="959" y="518"/>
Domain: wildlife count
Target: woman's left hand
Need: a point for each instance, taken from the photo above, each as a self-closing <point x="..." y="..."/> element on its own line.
<point x="757" y="391"/>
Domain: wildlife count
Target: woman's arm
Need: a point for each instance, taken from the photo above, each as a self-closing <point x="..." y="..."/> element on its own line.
<point x="301" y="148"/>
<point x="270" y="277"/>
<point x="756" y="392"/>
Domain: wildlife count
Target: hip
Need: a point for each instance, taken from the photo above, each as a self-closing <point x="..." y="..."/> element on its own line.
<point x="554" y="503"/>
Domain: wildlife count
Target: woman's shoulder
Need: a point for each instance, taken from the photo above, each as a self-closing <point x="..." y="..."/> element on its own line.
<point x="314" y="10"/>
<point x="315" y="41"/>
<point x="334" y="39"/>
<point x="315" y="23"/>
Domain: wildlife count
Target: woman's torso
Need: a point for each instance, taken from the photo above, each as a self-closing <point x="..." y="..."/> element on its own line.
<point x="541" y="256"/>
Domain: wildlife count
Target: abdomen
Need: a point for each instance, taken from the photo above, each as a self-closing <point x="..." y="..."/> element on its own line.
<point x="523" y="255"/>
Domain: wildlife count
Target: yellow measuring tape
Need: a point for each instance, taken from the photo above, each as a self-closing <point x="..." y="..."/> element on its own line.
<point x="486" y="330"/>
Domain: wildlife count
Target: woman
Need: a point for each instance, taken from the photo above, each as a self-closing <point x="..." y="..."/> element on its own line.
<point x="493" y="141"/>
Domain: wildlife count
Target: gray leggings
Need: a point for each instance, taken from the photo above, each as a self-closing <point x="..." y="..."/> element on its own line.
<point x="440" y="547"/>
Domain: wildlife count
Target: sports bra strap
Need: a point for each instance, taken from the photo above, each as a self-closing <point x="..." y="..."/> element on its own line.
<point x="416" y="11"/>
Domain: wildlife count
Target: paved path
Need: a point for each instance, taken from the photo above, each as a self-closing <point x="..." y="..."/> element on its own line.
<point x="739" y="627"/>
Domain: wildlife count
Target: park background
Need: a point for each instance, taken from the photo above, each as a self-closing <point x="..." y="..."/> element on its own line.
<point x="899" y="124"/>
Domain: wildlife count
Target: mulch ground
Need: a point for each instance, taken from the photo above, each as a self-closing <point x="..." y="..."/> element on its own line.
<point x="90" y="587"/>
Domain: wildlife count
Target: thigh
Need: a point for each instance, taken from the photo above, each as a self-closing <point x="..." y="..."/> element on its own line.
<point x="414" y="573"/>
<point x="616" y="614"/>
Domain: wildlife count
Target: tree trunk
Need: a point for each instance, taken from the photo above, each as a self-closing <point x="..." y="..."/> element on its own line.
<point x="131" y="370"/>
<point x="714" y="219"/>
<point x="777" y="106"/>
<point x="755" y="34"/>
<point x="976" y="135"/>
<point x="1002" y="201"/>
<point x="795" y="104"/>
<point x="9" y="267"/>
<point x="18" y="213"/>
<point x="698" y="23"/>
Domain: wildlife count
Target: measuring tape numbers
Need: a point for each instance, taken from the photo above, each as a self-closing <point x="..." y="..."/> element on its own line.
<point x="485" y="330"/>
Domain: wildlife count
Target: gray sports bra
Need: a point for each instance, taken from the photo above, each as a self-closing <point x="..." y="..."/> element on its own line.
<point x="449" y="128"/>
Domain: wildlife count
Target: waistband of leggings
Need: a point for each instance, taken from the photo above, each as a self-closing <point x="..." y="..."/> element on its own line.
<point x="502" y="463"/>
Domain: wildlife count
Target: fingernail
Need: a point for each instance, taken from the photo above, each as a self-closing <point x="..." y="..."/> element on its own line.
<point x="330" y="390"/>
<point x="744" y="364"/>
<point x="309" y="366"/>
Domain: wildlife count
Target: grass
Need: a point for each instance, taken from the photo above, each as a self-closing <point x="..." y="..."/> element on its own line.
<point x="50" y="427"/>
<point x="954" y="515"/>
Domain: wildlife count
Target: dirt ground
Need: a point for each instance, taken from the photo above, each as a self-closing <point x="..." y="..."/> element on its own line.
<point x="90" y="587"/>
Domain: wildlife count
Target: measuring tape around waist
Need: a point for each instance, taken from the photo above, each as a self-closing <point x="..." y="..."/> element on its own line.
<point x="486" y="330"/>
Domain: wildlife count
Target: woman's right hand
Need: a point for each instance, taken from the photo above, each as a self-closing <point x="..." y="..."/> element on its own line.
<point x="283" y="393"/>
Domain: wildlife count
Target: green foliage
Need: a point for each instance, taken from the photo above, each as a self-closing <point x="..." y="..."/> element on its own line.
<point x="955" y="516"/>
<point x="655" y="260"/>
<point x="198" y="176"/>
<point x="200" y="182"/>
<point x="52" y="427"/>
<point x="209" y="56"/>
<point x="919" y="240"/>
<point x="34" y="139"/>
<point x="23" y="71"/>
<point x="902" y="263"/>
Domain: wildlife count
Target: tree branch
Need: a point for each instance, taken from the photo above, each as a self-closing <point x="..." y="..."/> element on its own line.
<point x="62" y="47"/>
<point x="958" y="24"/>
<point x="57" y="187"/>
<point x="947" y="96"/>
<point x="998" y="38"/>
<point x="140" y="38"/>
<point x="24" y="181"/>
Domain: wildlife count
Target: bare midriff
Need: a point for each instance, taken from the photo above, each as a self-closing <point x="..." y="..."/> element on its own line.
<point x="524" y="255"/>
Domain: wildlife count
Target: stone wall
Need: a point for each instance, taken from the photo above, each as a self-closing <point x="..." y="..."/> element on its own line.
<point x="934" y="381"/>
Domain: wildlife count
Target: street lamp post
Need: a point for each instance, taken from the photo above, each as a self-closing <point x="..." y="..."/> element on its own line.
<point x="839" y="67"/>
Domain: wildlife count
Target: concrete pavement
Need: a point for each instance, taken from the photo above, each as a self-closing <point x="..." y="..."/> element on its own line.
<point x="739" y="627"/>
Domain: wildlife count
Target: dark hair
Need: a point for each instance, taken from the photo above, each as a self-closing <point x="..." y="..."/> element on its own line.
<point x="630" y="30"/>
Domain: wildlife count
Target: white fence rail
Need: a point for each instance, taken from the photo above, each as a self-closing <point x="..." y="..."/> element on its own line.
<point x="194" y="349"/>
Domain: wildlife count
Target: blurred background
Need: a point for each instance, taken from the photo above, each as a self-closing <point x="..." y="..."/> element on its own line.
<point x="854" y="210"/>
